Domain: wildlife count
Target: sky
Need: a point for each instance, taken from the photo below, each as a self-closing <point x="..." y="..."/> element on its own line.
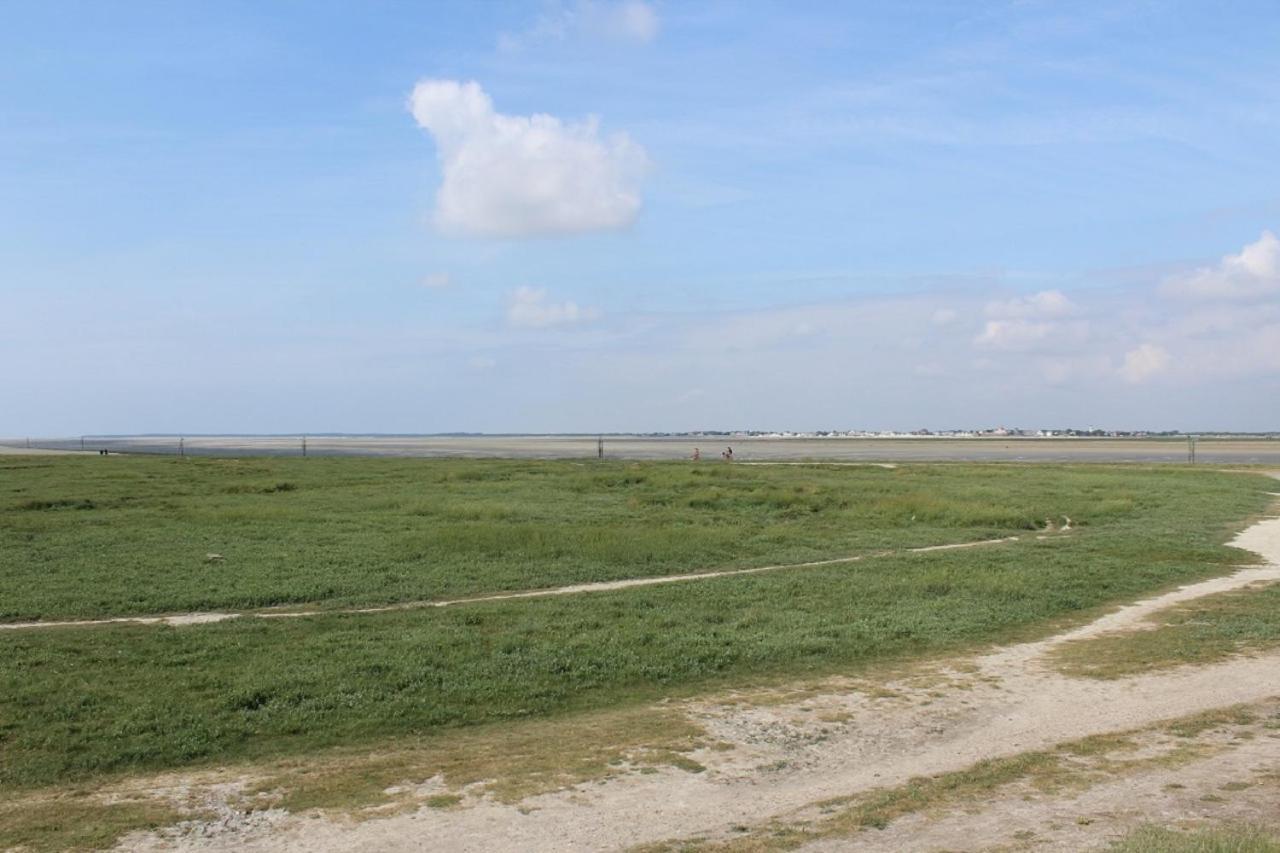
<point x="623" y="215"/>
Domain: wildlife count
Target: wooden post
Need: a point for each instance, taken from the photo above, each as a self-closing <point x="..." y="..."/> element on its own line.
<point x="304" y="445"/>
<point x="600" y="447"/>
<point x="182" y="449"/>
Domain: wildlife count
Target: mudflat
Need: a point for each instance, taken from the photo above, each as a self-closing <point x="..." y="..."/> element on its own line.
<point x="1243" y="451"/>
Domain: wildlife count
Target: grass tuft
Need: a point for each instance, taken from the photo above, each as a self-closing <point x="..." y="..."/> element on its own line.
<point x="1229" y="839"/>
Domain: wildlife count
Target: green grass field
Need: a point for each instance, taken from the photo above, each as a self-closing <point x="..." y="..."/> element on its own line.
<point x="93" y="537"/>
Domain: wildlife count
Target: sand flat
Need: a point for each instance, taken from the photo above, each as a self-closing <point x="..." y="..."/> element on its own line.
<point x="1244" y="451"/>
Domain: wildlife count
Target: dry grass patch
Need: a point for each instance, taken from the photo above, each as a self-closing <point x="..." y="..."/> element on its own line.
<point x="77" y="820"/>
<point x="1229" y="839"/>
<point x="509" y="763"/>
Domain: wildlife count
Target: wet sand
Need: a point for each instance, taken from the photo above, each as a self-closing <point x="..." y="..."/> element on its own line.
<point x="746" y="449"/>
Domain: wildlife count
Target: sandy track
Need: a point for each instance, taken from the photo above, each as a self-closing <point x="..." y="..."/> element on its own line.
<point x="181" y="619"/>
<point x="788" y="756"/>
<point x="1235" y="783"/>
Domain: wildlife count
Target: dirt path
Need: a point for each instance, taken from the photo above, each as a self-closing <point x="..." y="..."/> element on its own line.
<point x="1234" y="780"/>
<point x="835" y="740"/>
<point x="181" y="619"/>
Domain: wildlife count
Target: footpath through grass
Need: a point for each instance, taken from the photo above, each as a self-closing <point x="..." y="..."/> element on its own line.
<point x="91" y="537"/>
<point x="77" y="703"/>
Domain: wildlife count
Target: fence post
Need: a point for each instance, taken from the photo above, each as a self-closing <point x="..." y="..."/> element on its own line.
<point x="304" y="445"/>
<point x="182" y="449"/>
<point x="600" y="447"/>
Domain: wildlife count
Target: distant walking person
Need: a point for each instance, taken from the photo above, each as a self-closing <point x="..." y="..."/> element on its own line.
<point x="697" y="454"/>
<point x="728" y="454"/>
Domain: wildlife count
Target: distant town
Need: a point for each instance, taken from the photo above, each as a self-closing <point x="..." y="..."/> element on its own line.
<point x="992" y="432"/>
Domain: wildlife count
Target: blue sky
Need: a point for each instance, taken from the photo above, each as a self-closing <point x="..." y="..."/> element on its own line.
<point x="582" y="216"/>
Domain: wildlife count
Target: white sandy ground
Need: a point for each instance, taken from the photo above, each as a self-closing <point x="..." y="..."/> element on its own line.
<point x="849" y="736"/>
<point x="181" y="619"/>
<point x="1238" y="782"/>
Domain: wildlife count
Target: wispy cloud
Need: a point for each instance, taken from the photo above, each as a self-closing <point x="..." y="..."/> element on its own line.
<point x="615" y="20"/>
<point x="1144" y="362"/>
<point x="1030" y="322"/>
<point x="1045" y="304"/>
<point x="529" y="308"/>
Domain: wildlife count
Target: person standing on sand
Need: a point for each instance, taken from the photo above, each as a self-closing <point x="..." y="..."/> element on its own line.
<point x="697" y="454"/>
<point x="728" y="454"/>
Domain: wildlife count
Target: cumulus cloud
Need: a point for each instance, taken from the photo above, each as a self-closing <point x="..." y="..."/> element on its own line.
<point x="528" y="308"/>
<point x="624" y="20"/>
<point x="1144" y="362"/>
<point x="1253" y="273"/>
<point x="521" y="176"/>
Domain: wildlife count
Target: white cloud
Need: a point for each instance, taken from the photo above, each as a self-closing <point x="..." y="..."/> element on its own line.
<point x="1045" y="304"/>
<point x="528" y="308"/>
<point x="1012" y="334"/>
<point x="1144" y="362"/>
<point x="1028" y="322"/>
<point x="436" y="280"/>
<point x="624" y="20"/>
<point x="1253" y="273"/>
<point x="521" y="176"/>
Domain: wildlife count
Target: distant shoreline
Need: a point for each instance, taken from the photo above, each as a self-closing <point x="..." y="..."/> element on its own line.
<point x="1220" y="449"/>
